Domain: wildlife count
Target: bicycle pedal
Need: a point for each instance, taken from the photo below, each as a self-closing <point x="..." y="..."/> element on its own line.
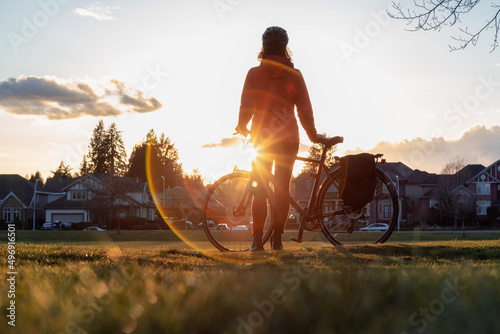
<point x="296" y="240"/>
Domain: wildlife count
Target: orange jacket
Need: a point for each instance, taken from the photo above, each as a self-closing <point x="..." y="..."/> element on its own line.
<point x="270" y="93"/>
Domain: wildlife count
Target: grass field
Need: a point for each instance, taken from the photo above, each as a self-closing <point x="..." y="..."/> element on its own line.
<point x="152" y="282"/>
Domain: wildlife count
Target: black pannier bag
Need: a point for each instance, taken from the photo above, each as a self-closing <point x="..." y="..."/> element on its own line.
<point x="357" y="180"/>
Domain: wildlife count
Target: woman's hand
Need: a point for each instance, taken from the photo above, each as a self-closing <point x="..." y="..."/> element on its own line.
<point x="319" y="138"/>
<point x="242" y="130"/>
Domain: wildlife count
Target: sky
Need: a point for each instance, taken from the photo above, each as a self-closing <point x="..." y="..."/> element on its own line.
<point x="178" y="67"/>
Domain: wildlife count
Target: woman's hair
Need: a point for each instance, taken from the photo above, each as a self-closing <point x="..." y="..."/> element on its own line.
<point x="275" y="49"/>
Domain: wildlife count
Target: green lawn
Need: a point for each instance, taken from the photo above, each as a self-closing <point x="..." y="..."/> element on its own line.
<point x="152" y="282"/>
<point x="168" y="237"/>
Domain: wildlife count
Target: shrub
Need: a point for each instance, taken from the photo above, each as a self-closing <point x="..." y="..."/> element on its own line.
<point x="493" y="212"/>
<point x="153" y="226"/>
<point x="80" y="226"/>
<point x="130" y="223"/>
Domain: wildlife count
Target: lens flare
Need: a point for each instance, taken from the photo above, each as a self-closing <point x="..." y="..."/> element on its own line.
<point x="189" y="206"/>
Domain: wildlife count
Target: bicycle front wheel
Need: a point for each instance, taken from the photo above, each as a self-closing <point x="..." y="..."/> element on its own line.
<point x="227" y="213"/>
<point x="374" y="223"/>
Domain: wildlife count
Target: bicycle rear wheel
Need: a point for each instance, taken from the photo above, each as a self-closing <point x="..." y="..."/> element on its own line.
<point x="374" y="223"/>
<point x="227" y="213"/>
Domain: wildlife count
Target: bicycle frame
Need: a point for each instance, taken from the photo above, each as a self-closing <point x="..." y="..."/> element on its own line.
<point x="337" y="222"/>
<point x="309" y="214"/>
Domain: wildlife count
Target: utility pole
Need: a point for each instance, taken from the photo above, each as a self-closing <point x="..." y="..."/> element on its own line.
<point x="34" y="204"/>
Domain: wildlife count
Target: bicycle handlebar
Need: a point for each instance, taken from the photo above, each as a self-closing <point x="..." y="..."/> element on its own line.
<point x="328" y="142"/>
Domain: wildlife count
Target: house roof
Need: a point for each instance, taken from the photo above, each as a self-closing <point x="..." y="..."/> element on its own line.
<point x="57" y="184"/>
<point x="470" y="171"/>
<point x="422" y="178"/>
<point x="180" y="193"/>
<point x="127" y="184"/>
<point x="396" y="171"/>
<point x="22" y="188"/>
<point x="431" y="193"/>
<point x="492" y="173"/>
<point x="397" y="168"/>
<point x="64" y="203"/>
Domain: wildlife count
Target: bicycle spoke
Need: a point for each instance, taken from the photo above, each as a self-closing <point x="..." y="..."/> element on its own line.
<point x="342" y="227"/>
<point x="227" y="213"/>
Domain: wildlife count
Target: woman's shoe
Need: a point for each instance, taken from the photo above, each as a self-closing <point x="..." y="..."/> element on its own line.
<point x="276" y="242"/>
<point x="257" y="244"/>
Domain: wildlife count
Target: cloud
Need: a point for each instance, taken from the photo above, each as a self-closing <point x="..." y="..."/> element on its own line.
<point x="225" y="142"/>
<point x="478" y="145"/>
<point x="65" y="99"/>
<point x="139" y="103"/>
<point x="96" y="11"/>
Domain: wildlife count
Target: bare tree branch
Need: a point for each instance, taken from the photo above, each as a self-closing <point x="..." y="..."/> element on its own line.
<point x="434" y="14"/>
<point x="473" y="37"/>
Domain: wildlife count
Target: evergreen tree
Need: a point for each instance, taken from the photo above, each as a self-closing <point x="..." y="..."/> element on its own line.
<point x="315" y="153"/>
<point x="63" y="171"/>
<point x="194" y="181"/>
<point x="85" y="166"/>
<point x="97" y="150"/>
<point x="36" y="176"/>
<point x="106" y="152"/>
<point x="137" y="162"/>
<point x="162" y="158"/>
<point x="115" y="152"/>
<point x="169" y="161"/>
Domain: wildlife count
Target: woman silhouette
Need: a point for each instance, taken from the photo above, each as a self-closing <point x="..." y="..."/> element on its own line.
<point x="270" y="94"/>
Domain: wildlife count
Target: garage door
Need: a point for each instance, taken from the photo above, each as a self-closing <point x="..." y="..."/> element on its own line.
<point x="67" y="217"/>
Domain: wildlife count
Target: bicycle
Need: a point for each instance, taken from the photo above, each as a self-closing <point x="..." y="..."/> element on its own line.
<point x="228" y="203"/>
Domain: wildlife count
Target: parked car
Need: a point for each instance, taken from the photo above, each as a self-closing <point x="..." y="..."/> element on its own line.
<point x="46" y="226"/>
<point x="189" y="225"/>
<point x="241" y="228"/>
<point x="375" y="227"/>
<point x="93" y="228"/>
<point x="67" y="226"/>
<point x="57" y="225"/>
<point x="211" y="225"/>
<point x="222" y="227"/>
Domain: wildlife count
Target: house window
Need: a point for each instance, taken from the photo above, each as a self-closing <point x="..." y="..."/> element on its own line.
<point x="79" y="195"/>
<point x="481" y="207"/>
<point x="7" y="215"/>
<point x="328" y="207"/>
<point x="11" y="214"/>
<point x="483" y="188"/>
<point x="387" y="211"/>
<point x="433" y="203"/>
<point x="17" y="213"/>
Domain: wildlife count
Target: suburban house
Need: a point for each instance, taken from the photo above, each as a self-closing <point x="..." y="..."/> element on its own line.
<point x="474" y="187"/>
<point x="485" y="184"/>
<point x="89" y="199"/>
<point x="179" y="203"/>
<point x="468" y="194"/>
<point x="16" y="199"/>
<point x="381" y="211"/>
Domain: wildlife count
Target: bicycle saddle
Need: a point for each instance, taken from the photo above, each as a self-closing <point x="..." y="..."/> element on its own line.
<point x="332" y="141"/>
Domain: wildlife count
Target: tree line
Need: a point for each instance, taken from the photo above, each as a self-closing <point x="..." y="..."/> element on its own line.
<point x="106" y="155"/>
